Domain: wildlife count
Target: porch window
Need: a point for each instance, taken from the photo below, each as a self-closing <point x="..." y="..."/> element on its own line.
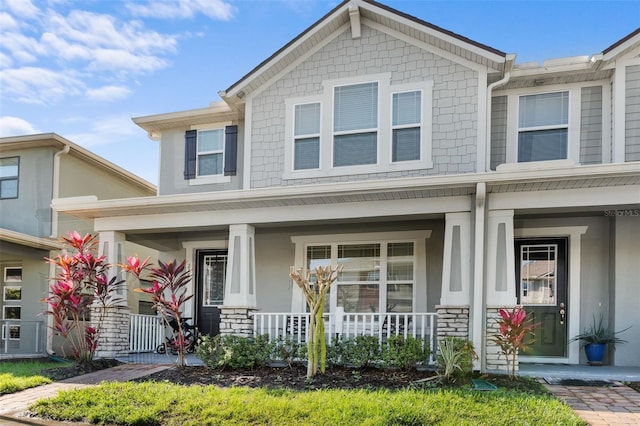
<point x="9" y="168"/>
<point x="543" y="126"/>
<point x="355" y="124"/>
<point x="377" y="277"/>
<point x="11" y="313"/>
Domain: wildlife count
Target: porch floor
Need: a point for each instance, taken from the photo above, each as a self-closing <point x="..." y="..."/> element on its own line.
<point x="585" y="372"/>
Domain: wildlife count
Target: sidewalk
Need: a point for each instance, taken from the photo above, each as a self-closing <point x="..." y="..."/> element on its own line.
<point x="13" y="404"/>
<point x="601" y="405"/>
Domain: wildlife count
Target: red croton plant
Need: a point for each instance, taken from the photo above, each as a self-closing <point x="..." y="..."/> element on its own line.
<point x="516" y="333"/>
<point x="80" y="295"/>
<point x="168" y="294"/>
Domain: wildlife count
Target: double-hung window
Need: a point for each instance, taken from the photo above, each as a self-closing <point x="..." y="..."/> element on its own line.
<point x="355" y="124"/>
<point x="9" y="168"/>
<point x="543" y="126"/>
<point x="377" y="277"/>
<point x="307" y="136"/>
<point x="406" y="126"/>
<point x="210" y="152"/>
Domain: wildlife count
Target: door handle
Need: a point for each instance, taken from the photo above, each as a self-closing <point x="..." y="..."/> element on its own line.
<point x="562" y="313"/>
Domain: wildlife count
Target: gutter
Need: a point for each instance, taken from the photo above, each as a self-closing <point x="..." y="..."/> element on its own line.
<point x="508" y="66"/>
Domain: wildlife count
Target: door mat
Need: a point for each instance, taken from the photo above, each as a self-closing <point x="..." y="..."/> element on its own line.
<point x="576" y="382"/>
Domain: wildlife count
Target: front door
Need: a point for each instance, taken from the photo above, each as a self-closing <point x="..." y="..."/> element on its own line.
<point x="210" y="275"/>
<point x="541" y="288"/>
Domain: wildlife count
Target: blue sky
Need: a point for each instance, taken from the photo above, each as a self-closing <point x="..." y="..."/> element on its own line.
<point x="83" y="68"/>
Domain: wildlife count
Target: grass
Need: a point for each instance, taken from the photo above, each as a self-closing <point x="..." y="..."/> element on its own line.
<point x="160" y="403"/>
<point x="18" y="375"/>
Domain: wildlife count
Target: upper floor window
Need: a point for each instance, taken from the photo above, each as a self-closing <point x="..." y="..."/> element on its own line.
<point x="355" y="124"/>
<point x="307" y="136"/>
<point x="9" y="168"/>
<point x="359" y="125"/>
<point x="210" y="152"/>
<point x="543" y="126"/>
<point x="406" y="122"/>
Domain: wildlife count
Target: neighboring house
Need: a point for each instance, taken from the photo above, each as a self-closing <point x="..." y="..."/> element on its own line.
<point x="35" y="169"/>
<point x="446" y="178"/>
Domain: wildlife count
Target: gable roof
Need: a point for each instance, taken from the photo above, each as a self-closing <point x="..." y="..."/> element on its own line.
<point x="374" y="12"/>
<point x="58" y="142"/>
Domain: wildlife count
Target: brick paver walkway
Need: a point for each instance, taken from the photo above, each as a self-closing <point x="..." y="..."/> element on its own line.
<point x="598" y="406"/>
<point x="15" y="403"/>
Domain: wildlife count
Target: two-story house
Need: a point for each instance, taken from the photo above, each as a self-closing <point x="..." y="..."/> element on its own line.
<point x="35" y="169"/>
<point x="447" y="179"/>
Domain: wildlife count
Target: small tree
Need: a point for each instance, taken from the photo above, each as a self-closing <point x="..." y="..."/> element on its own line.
<point x="315" y="294"/>
<point x="516" y="333"/>
<point x="168" y="294"/>
<point x="81" y="283"/>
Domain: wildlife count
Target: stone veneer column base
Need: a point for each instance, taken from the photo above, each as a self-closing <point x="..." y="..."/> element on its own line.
<point x="453" y="321"/>
<point x="495" y="360"/>
<point x="114" y="335"/>
<point x="236" y="321"/>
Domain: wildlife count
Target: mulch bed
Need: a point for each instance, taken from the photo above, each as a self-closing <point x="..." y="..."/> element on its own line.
<point x="61" y="373"/>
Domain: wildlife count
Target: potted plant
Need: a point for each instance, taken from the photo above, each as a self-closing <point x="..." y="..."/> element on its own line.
<point x="595" y="339"/>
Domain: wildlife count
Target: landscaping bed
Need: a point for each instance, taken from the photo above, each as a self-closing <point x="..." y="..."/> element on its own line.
<point x="294" y="378"/>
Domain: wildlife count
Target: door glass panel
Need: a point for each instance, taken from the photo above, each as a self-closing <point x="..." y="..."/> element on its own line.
<point x="538" y="265"/>
<point x="214" y="268"/>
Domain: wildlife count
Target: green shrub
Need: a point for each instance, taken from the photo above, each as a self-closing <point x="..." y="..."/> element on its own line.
<point x="405" y="353"/>
<point x="234" y="352"/>
<point x="360" y="351"/>
<point x="287" y="349"/>
<point x="455" y="357"/>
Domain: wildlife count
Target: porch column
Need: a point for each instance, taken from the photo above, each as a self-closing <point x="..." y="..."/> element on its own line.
<point x="453" y="311"/>
<point x="114" y="334"/>
<point x="500" y="281"/>
<point x="240" y="287"/>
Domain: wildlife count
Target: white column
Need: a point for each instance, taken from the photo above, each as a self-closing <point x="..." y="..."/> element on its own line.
<point x="456" y="262"/>
<point x="501" y="280"/>
<point x="112" y="246"/>
<point x="240" y="288"/>
<point x="476" y="312"/>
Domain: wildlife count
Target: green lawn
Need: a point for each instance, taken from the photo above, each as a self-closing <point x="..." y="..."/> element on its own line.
<point x="160" y="403"/>
<point x="18" y="375"/>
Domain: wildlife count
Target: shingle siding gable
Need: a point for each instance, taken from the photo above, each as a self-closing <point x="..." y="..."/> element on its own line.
<point x="632" y="114"/>
<point x="591" y="125"/>
<point x="455" y="90"/>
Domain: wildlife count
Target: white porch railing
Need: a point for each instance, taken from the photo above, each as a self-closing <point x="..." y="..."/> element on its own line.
<point x="145" y="333"/>
<point x="21" y="337"/>
<point x="418" y="325"/>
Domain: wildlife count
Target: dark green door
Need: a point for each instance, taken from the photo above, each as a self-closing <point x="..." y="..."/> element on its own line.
<point x="541" y="288"/>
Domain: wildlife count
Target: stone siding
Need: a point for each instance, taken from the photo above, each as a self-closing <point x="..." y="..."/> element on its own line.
<point x="494" y="359"/>
<point x="453" y="321"/>
<point x="236" y="321"/>
<point x="114" y="335"/>
<point x="455" y="99"/>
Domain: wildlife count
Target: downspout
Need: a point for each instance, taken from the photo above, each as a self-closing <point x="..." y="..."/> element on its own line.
<point x="478" y="309"/>
<point x="54" y="233"/>
<point x="506" y="75"/>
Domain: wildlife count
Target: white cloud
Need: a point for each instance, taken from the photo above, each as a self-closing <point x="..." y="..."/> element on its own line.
<point x="181" y="9"/>
<point x="5" y="61"/>
<point x="22" y="8"/>
<point x="104" y="131"/>
<point x="35" y="85"/>
<point x="108" y="93"/>
<point x="22" y="48"/>
<point x="7" y="23"/>
<point x="123" y="61"/>
<point x="14" y="126"/>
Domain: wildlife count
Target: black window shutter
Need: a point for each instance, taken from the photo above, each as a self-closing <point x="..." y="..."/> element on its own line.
<point x="190" y="146"/>
<point x="230" y="150"/>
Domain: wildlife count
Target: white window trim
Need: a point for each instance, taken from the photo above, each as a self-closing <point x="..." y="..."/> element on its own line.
<point x="573" y="126"/>
<point x="211" y="179"/>
<point x="12" y="280"/>
<point x="334" y="240"/>
<point x="384" y="140"/>
<point x="293" y="135"/>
